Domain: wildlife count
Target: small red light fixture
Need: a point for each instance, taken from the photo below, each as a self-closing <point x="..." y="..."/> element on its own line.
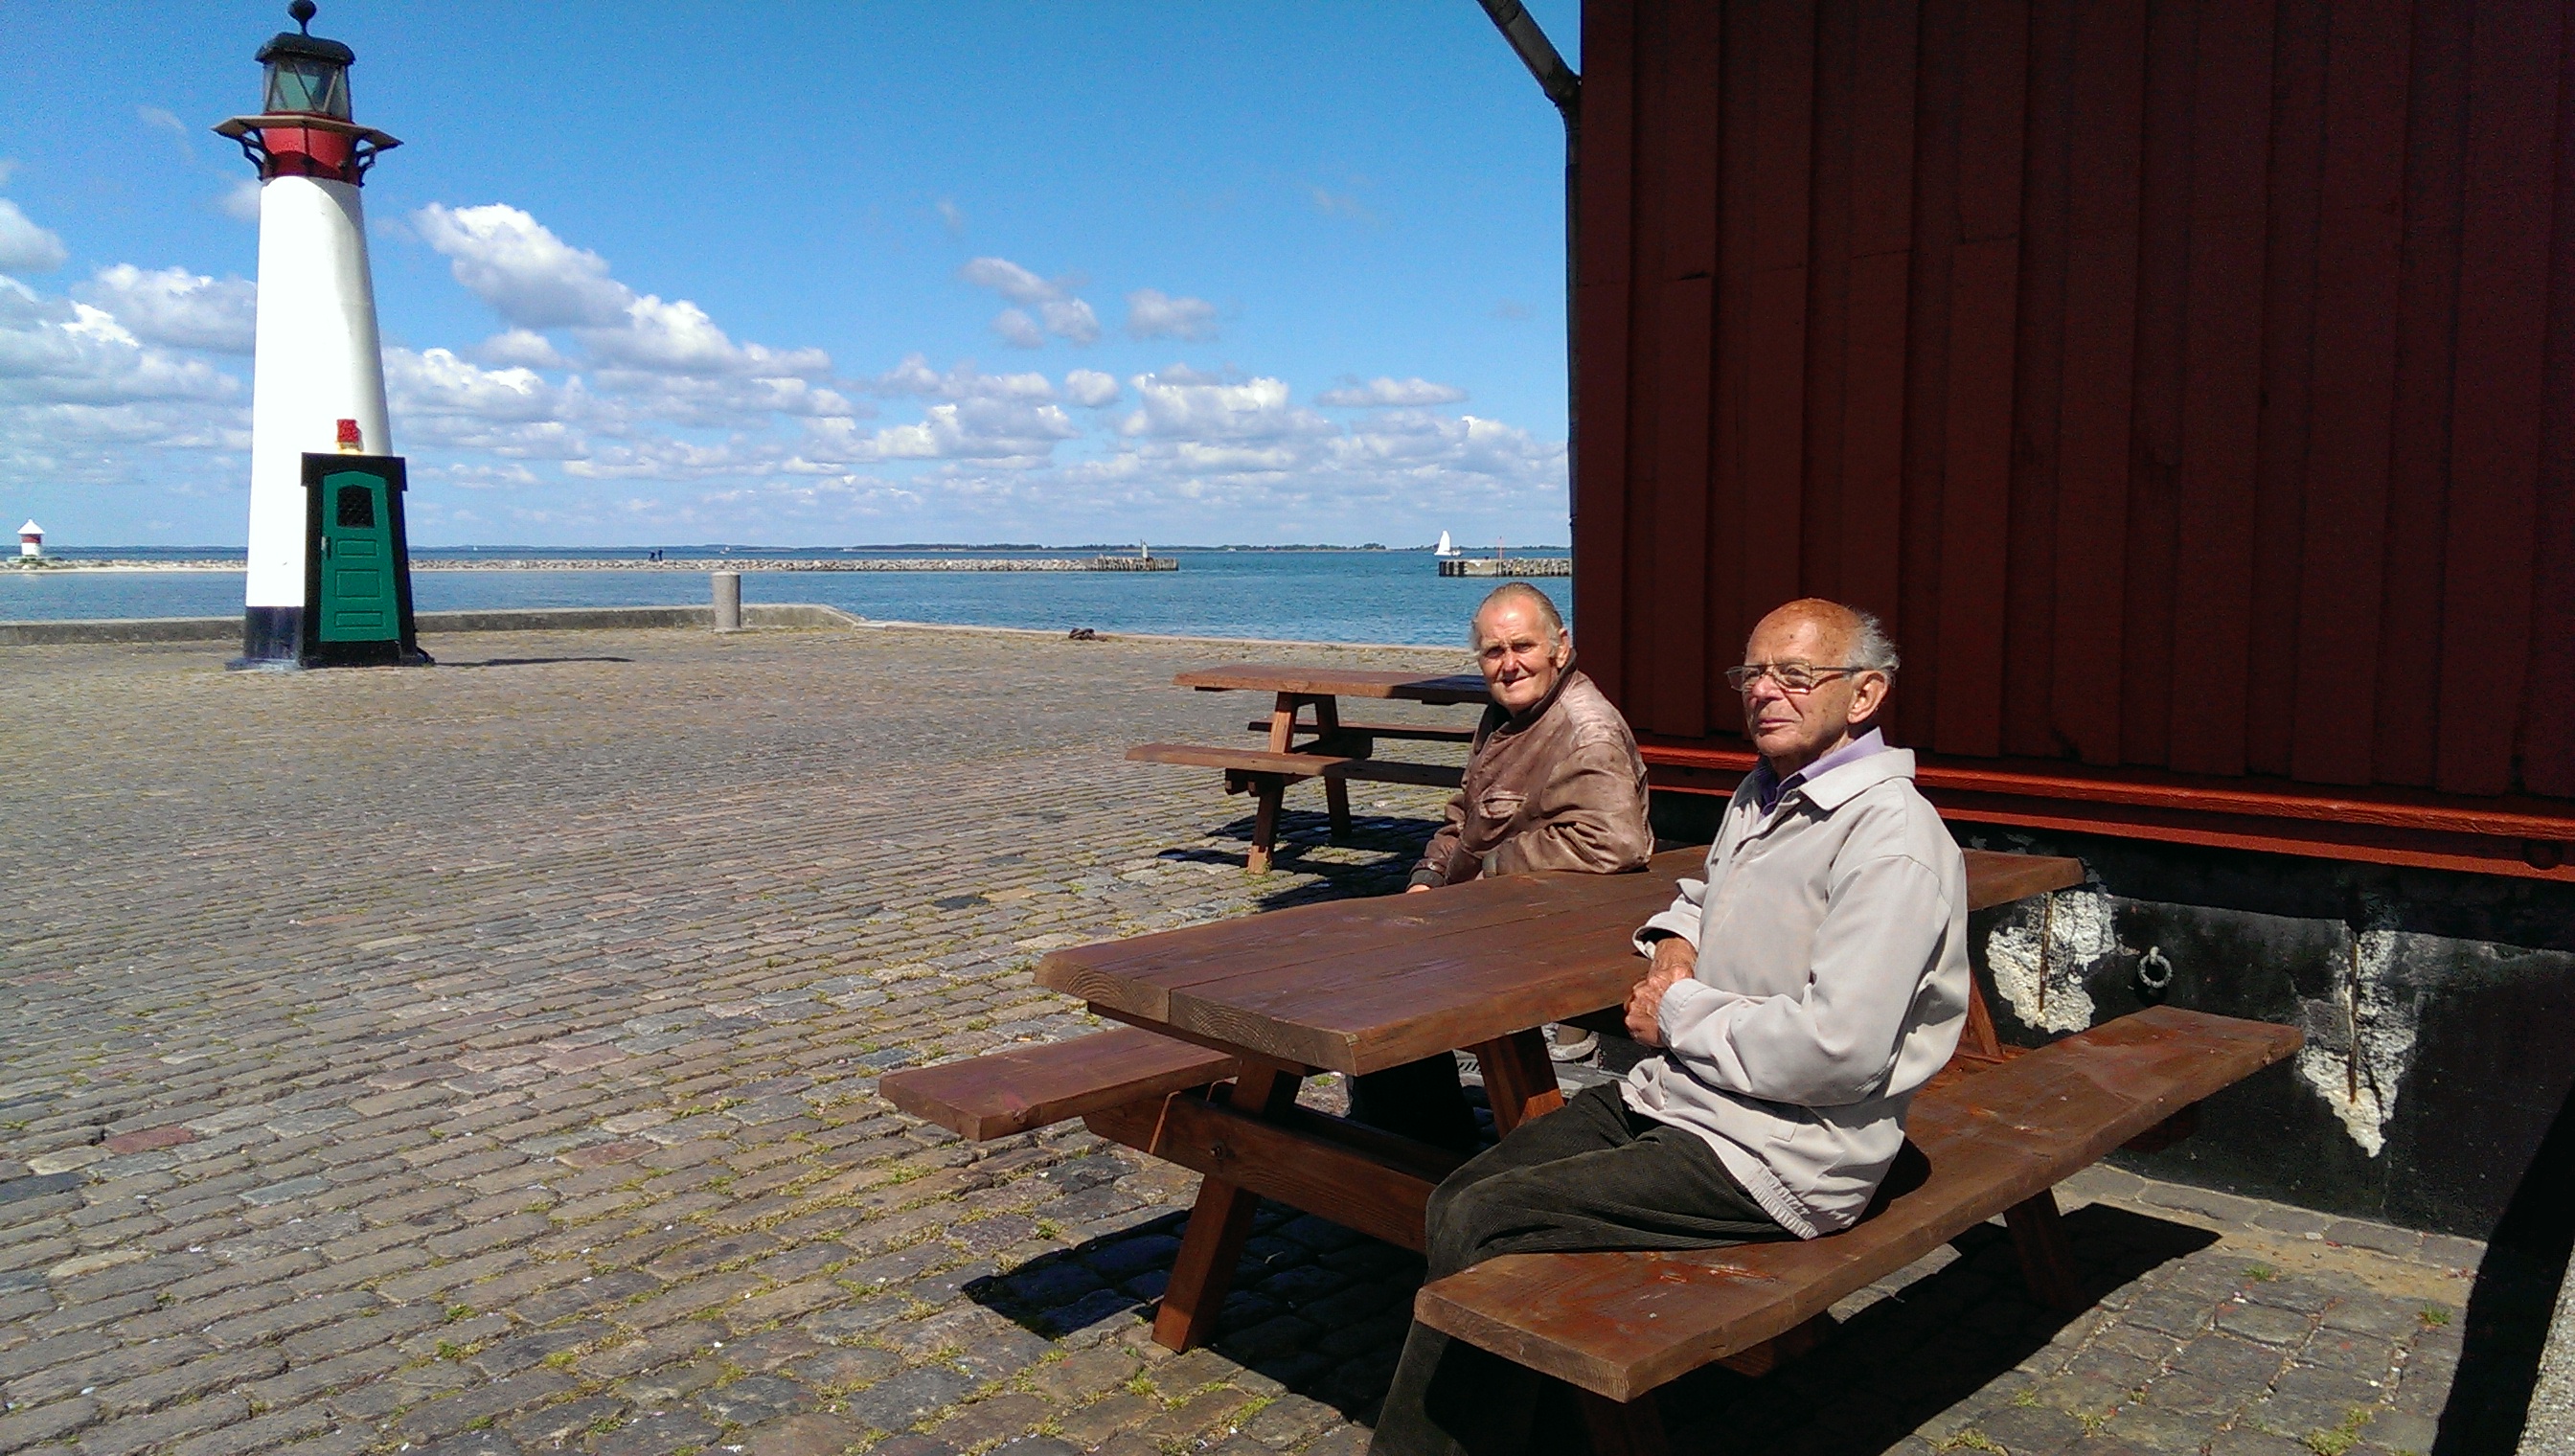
<point x="349" y="442"/>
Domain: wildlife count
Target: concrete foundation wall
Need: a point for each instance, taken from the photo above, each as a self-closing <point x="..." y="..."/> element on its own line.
<point x="2438" y="1056"/>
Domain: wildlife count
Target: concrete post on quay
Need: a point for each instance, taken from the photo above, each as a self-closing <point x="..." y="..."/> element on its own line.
<point x="727" y="599"/>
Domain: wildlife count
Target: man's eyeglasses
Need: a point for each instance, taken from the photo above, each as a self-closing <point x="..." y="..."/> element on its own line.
<point x="1792" y="677"/>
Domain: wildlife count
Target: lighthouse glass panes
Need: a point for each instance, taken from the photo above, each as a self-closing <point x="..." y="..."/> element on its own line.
<point x="309" y="84"/>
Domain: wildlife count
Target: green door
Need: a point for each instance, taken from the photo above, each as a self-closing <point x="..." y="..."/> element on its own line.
<point x="357" y="559"/>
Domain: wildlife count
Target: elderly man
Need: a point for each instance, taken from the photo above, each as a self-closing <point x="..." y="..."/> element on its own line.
<point x="1800" y="994"/>
<point x="1552" y="783"/>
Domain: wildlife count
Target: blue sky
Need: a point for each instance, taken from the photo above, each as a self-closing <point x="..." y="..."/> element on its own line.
<point x="821" y="274"/>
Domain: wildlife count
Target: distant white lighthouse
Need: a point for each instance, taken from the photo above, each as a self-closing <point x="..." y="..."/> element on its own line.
<point x="319" y="373"/>
<point x="31" y="538"/>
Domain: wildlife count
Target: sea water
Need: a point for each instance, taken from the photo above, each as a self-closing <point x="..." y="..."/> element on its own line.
<point x="1324" y="596"/>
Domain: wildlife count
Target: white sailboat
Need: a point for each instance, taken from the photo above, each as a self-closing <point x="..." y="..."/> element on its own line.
<point x="1445" y="546"/>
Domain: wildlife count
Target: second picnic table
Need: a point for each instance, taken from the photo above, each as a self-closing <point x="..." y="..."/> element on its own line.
<point x="1309" y="738"/>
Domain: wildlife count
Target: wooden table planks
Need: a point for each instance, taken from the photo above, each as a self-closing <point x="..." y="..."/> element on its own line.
<point x="1312" y="681"/>
<point x="1361" y="985"/>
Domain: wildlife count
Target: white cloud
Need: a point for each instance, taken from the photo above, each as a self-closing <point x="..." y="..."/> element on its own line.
<point x="175" y="307"/>
<point x="952" y="217"/>
<point x="1091" y="387"/>
<point x="1183" y="403"/>
<point x="534" y="279"/>
<point x="524" y="348"/>
<point x="240" y="201"/>
<point x="1018" y="330"/>
<point x="669" y="460"/>
<point x="1057" y="311"/>
<point x="962" y="382"/>
<point x="1006" y="424"/>
<point x="1152" y="313"/>
<point x="678" y="338"/>
<point x="437" y="382"/>
<point x="81" y="397"/>
<point x="161" y="119"/>
<point x="1382" y="393"/>
<point x="54" y="350"/>
<point x="1010" y="279"/>
<point x="484" y="477"/>
<point x="724" y="402"/>
<point x="517" y="265"/>
<point x="24" y="247"/>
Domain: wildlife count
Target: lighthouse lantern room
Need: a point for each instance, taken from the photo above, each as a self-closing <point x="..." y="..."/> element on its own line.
<point x="315" y="595"/>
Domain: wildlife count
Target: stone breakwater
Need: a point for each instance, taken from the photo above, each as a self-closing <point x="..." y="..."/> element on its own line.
<point x="696" y="563"/>
<point x="1518" y="566"/>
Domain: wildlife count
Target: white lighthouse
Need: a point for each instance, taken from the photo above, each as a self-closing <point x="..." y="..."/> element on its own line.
<point x="318" y="375"/>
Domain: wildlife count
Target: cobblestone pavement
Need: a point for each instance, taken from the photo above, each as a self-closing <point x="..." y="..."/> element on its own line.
<point x="481" y="1059"/>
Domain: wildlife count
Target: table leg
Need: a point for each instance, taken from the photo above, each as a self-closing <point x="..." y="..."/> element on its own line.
<point x="1633" y="1428"/>
<point x="1219" y="1223"/>
<point x="1519" y="1079"/>
<point x="1337" y="793"/>
<point x="1282" y="720"/>
<point x="1266" y="790"/>
<point x="2047" y="1262"/>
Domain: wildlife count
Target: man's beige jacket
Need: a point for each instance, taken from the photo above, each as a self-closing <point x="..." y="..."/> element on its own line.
<point x="1561" y="788"/>
<point x="1831" y="983"/>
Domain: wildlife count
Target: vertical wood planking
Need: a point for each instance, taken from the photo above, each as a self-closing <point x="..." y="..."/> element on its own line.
<point x="1977" y="444"/>
<point x="2342" y="542"/>
<point x="1829" y="248"/>
<point x="2029" y="600"/>
<point x="2514" y="57"/>
<point x="1683" y="155"/>
<point x="2304" y="31"/>
<point x="2162" y="362"/>
<point x="2427" y="294"/>
<point x="2548" y="718"/>
<point x="2104" y="152"/>
<point x="2187" y="381"/>
<point x="1604" y="289"/>
<point x="1780" y="87"/>
<point x="1729" y="372"/>
<point x="1944" y="43"/>
<point x="1883" y="59"/>
<point x="2222" y="390"/>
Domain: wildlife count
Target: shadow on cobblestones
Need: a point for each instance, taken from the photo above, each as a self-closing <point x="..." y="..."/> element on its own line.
<point x="1316" y="1309"/>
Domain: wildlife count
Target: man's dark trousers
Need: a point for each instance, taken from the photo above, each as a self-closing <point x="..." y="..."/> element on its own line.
<point x="1595" y="1176"/>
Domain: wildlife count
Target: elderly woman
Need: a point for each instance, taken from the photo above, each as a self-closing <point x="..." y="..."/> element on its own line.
<point x="1553" y="782"/>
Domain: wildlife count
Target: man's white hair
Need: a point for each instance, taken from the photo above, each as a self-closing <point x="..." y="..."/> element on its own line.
<point x="1871" y="646"/>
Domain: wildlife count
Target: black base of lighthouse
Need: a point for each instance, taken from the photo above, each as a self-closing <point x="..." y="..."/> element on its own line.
<point x="272" y="640"/>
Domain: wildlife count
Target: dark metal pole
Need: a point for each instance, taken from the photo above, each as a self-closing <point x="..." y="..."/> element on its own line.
<point x="1564" y="88"/>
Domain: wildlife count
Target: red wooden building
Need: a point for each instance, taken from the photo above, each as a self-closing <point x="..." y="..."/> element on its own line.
<point x="2192" y="387"/>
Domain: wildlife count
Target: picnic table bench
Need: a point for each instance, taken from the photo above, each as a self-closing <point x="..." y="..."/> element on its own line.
<point x="1309" y="738"/>
<point x="1226" y="1019"/>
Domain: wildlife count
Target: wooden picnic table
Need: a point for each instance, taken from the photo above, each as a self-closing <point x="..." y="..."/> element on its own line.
<point x="1359" y="986"/>
<point x="1310" y="738"/>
